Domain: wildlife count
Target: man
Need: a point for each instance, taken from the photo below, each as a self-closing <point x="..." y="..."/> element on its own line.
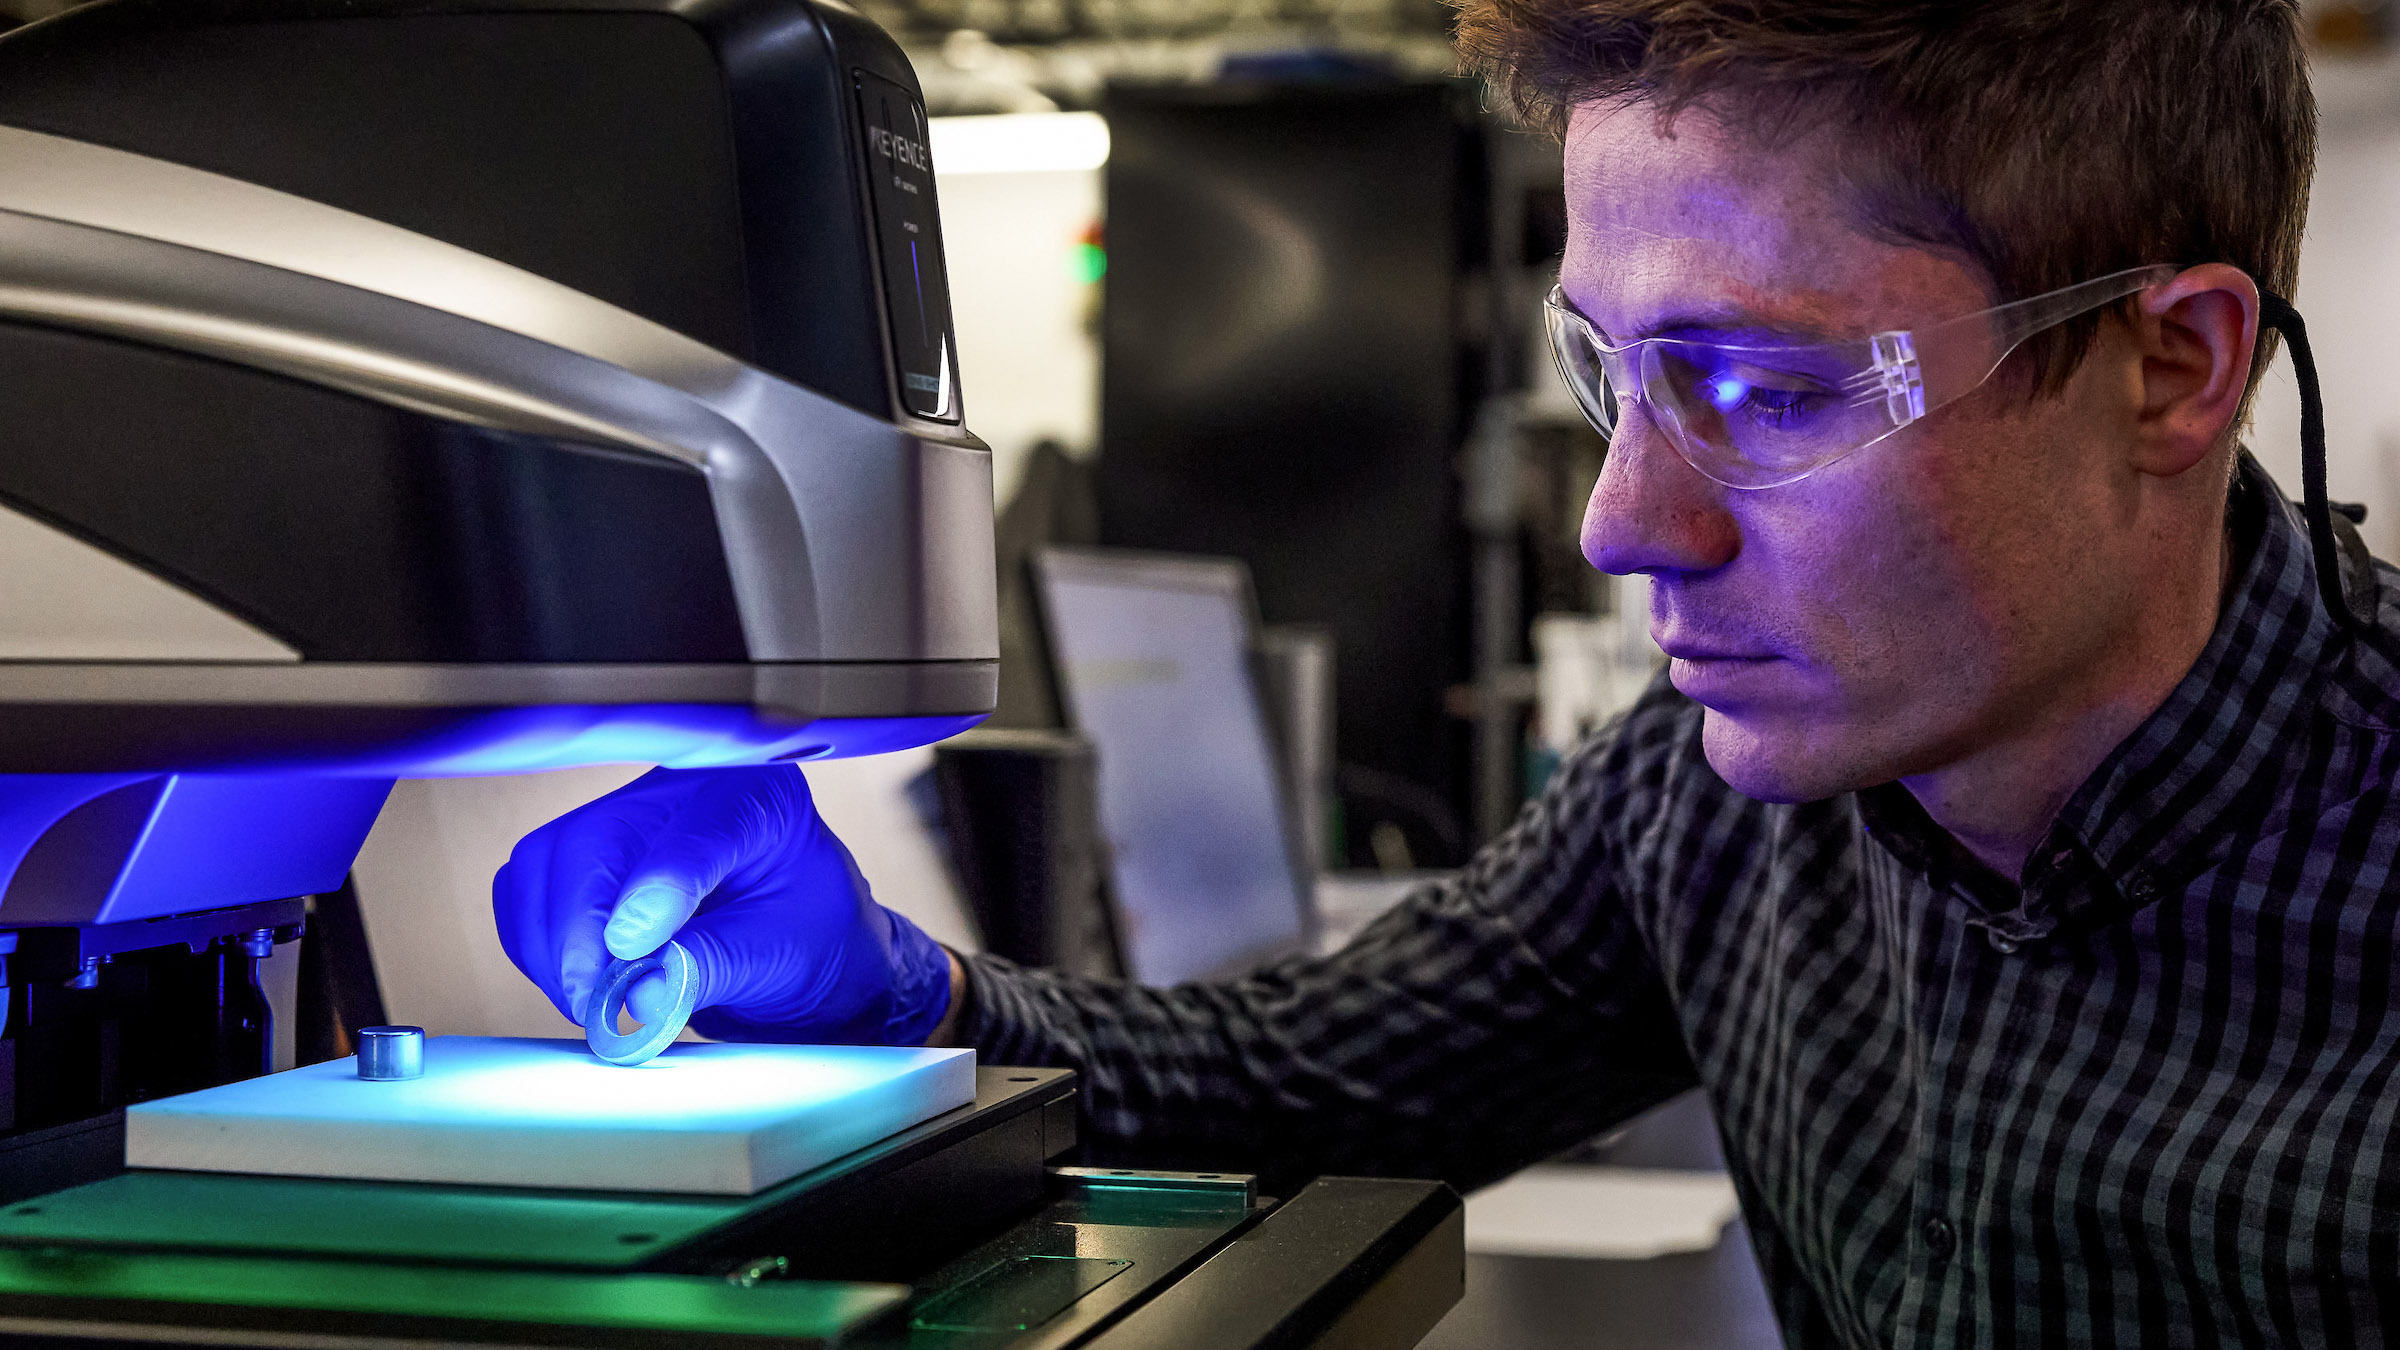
<point x="2007" y="852"/>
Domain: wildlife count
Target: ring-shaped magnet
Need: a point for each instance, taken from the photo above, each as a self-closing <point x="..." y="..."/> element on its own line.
<point x="643" y="1043"/>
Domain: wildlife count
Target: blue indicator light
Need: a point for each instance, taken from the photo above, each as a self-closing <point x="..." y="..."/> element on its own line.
<point x="916" y="270"/>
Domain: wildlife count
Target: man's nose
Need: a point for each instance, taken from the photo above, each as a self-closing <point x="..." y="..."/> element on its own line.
<point x="1651" y="511"/>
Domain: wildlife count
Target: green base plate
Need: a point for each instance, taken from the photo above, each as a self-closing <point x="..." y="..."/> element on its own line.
<point x="56" y="1288"/>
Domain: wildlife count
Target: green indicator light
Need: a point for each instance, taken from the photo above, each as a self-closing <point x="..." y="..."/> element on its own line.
<point x="1090" y="263"/>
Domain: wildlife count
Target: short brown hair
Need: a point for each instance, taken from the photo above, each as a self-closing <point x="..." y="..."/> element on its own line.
<point x="2050" y="141"/>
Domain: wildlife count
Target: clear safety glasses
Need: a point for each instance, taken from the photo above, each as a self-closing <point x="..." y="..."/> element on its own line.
<point x="1759" y="416"/>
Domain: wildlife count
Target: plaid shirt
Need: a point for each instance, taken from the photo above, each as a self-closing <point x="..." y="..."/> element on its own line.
<point x="2148" y="1095"/>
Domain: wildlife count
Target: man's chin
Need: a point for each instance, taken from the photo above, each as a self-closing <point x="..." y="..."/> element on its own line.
<point x="1775" y="763"/>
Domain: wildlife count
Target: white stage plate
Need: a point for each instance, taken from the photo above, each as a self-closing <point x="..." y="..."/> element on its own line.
<point x="701" y="1118"/>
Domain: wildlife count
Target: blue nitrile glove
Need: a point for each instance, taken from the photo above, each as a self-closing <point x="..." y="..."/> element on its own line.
<point x="734" y="864"/>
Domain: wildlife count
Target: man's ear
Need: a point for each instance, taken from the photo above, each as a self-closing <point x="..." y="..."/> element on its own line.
<point x="2197" y="335"/>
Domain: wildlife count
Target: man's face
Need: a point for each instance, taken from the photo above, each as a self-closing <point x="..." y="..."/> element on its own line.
<point x="1901" y="610"/>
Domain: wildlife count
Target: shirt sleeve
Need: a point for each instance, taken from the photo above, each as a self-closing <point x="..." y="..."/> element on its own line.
<point x="1486" y="1022"/>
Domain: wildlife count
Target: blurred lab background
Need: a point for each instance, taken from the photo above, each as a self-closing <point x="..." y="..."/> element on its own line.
<point x="1294" y="616"/>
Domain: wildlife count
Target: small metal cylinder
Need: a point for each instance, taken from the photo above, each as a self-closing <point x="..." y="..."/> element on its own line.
<point x="389" y="1054"/>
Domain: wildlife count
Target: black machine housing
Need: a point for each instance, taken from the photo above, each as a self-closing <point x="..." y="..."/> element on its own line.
<point x="702" y="165"/>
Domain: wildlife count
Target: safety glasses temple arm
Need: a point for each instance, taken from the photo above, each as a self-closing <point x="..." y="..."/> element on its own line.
<point x="1956" y="356"/>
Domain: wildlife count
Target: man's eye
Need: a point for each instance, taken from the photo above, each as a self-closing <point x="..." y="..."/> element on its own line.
<point x="1783" y="406"/>
<point x="1774" y="401"/>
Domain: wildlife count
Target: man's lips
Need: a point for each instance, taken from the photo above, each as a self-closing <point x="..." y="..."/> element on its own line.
<point x="1702" y="650"/>
<point x="1725" y="673"/>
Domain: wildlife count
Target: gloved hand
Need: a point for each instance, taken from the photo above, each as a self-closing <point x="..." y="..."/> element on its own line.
<point x="786" y="941"/>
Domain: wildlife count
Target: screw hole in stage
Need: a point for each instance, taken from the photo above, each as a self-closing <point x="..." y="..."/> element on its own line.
<point x="29" y="1209"/>
<point x="636" y="1239"/>
<point x="1022" y="1078"/>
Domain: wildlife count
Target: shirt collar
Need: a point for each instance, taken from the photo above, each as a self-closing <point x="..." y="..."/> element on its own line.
<point x="2154" y="812"/>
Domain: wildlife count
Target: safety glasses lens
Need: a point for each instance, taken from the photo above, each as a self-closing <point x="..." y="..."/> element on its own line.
<point x="1746" y="415"/>
<point x="1584" y="368"/>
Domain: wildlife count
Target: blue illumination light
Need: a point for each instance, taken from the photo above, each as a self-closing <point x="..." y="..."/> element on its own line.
<point x="99" y="848"/>
<point x="105" y="849"/>
<point x="1727" y="390"/>
<point x="501" y="1083"/>
<point x="727" y="1119"/>
<point x="567" y="736"/>
<point x="675" y="736"/>
<point x="31" y="804"/>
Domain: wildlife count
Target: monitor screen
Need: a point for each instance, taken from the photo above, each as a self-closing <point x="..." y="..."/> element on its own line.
<point x="1153" y="662"/>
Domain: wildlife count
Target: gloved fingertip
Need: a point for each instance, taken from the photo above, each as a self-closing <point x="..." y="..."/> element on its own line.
<point x="651" y="998"/>
<point x="716" y="971"/>
<point x="644" y="920"/>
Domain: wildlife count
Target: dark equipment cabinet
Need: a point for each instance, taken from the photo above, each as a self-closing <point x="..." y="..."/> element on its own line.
<point x="1288" y="374"/>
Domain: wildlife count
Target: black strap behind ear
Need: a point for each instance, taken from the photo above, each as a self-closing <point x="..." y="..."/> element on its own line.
<point x="2349" y="599"/>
